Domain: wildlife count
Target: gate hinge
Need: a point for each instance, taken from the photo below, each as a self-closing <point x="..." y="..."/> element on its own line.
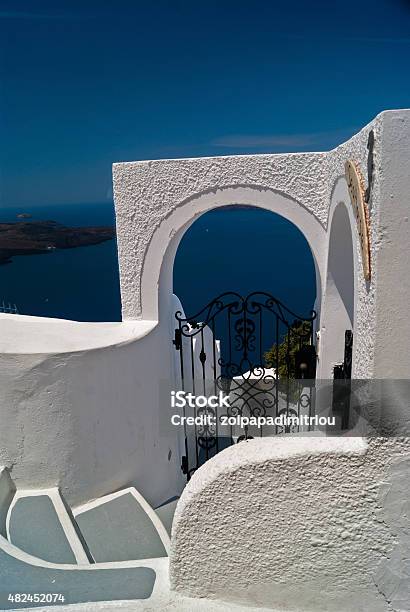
<point x="177" y="339"/>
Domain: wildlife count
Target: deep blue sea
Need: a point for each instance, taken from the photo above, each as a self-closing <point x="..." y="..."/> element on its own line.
<point x="235" y="249"/>
<point x="244" y="250"/>
<point x="80" y="284"/>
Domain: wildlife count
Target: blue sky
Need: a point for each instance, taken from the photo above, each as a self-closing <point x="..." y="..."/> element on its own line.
<point x="84" y="84"/>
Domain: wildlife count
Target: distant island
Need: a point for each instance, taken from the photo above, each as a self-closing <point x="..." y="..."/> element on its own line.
<point x="37" y="237"/>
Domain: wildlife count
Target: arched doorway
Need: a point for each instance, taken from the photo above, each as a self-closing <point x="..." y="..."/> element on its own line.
<point x="155" y="283"/>
<point x="244" y="249"/>
<point x="247" y="281"/>
<point x="338" y="313"/>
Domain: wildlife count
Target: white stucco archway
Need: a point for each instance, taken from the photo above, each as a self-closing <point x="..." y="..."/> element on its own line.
<point x="157" y="200"/>
<point x="157" y="271"/>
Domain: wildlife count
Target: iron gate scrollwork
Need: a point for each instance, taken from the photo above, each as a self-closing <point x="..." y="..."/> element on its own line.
<point x="254" y="351"/>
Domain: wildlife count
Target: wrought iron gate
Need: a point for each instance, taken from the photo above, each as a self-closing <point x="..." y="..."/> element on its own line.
<point x="255" y="351"/>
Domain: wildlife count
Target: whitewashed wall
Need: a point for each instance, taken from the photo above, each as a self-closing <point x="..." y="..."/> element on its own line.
<point x="157" y="201"/>
<point x="391" y="247"/>
<point x="304" y="523"/>
<point x="92" y="420"/>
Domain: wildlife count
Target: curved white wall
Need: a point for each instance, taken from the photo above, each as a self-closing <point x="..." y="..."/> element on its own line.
<point x="91" y="421"/>
<point x="298" y="520"/>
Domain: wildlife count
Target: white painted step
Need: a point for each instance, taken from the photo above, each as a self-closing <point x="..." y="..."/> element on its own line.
<point x="122" y="527"/>
<point x="39" y="523"/>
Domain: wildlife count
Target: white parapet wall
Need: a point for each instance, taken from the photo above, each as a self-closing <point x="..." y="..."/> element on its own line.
<point x="82" y="407"/>
<point x="297" y="523"/>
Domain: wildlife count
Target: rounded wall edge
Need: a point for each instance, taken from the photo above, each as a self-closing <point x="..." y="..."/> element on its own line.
<point x="289" y="519"/>
<point x="27" y="335"/>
